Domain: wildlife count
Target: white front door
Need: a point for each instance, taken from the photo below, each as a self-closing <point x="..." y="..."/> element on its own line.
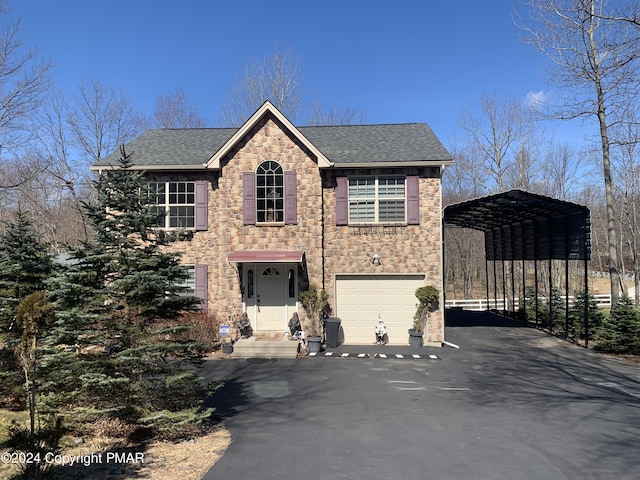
<point x="270" y="293"/>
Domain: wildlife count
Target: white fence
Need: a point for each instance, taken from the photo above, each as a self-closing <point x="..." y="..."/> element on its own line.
<point x="500" y="304"/>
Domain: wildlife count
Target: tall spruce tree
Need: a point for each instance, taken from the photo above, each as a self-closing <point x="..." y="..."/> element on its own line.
<point x="106" y="352"/>
<point x="24" y="265"/>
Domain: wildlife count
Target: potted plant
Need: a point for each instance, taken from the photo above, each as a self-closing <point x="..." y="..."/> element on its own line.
<point x="315" y="302"/>
<point x="427" y="296"/>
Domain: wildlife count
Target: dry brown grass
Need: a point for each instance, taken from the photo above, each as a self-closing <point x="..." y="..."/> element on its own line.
<point x="186" y="460"/>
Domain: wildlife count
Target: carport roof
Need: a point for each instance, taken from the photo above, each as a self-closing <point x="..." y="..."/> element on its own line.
<point x="519" y="225"/>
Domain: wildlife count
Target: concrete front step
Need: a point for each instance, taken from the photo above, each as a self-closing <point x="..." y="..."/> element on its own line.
<point x="253" y="347"/>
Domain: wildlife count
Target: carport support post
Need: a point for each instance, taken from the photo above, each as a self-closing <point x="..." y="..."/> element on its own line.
<point x="566" y="277"/>
<point x="486" y="274"/>
<point x="549" y="227"/>
<point x="513" y="272"/>
<point x="495" y="275"/>
<point x="504" y="283"/>
<point x="566" y="297"/>
<point x="586" y="302"/>
<point x="535" y="268"/>
<point x="551" y="296"/>
<point x="513" y="288"/>
<point x="486" y="265"/>
<point x="495" y="280"/>
<point x="523" y="302"/>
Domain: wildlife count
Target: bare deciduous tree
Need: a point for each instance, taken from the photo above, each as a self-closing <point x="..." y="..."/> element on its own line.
<point x="336" y="115"/>
<point x="559" y="167"/>
<point x="24" y="78"/>
<point x="465" y="179"/>
<point x="72" y="132"/>
<point x="627" y="173"/>
<point x="174" y="110"/>
<point x="64" y="172"/>
<point x="498" y="135"/>
<point x="101" y="119"/>
<point x="594" y="59"/>
<point x="276" y="78"/>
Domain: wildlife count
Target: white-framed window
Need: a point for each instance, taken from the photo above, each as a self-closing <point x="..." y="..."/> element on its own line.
<point x="175" y="204"/>
<point x="269" y="192"/>
<point x="379" y="199"/>
<point x="189" y="284"/>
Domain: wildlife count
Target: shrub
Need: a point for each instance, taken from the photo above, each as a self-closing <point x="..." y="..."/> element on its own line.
<point x="620" y="333"/>
<point x="628" y="319"/>
<point x="576" y="317"/>
<point x="315" y="303"/>
<point x="428" y="297"/>
<point x="203" y="328"/>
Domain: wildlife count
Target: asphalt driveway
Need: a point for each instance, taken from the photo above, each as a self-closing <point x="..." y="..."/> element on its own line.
<point x="510" y="403"/>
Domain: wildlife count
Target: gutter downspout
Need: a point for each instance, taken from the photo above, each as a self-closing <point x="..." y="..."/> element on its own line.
<point x="442" y="279"/>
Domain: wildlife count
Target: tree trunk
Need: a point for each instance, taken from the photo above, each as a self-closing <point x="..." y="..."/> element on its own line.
<point x="612" y="233"/>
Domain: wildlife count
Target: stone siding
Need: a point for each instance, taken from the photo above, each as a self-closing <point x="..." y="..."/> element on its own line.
<point x="226" y="232"/>
<point x="405" y="249"/>
<point x="347" y="249"/>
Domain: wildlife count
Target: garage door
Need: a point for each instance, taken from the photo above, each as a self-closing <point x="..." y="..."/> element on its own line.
<point x="361" y="298"/>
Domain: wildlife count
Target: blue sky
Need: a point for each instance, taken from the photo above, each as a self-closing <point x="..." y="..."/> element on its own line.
<point x="401" y="61"/>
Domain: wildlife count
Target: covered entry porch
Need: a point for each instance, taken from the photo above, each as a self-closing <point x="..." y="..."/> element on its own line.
<point x="270" y="281"/>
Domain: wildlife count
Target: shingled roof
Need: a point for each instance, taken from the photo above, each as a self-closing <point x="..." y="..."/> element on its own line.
<point x="343" y="146"/>
<point x="364" y="144"/>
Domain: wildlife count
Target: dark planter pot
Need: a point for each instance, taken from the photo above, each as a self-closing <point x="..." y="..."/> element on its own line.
<point x="313" y="344"/>
<point x="227" y="348"/>
<point x="415" y="338"/>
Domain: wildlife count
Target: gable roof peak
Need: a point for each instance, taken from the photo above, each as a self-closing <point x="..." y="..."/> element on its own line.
<point x="266" y="109"/>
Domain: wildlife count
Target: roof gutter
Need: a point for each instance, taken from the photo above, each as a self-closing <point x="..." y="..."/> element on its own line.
<point x="416" y="163"/>
<point x="201" y="167"/>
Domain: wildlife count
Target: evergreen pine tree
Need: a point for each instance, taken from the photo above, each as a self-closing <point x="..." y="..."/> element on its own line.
<point x="531" y="302"/>
<point x="621" y="332"/>
<point x="110" y="355"/>
<point x="24" y="265"/>
<point x="556" y="310"/>
<point x="576" y="317"/>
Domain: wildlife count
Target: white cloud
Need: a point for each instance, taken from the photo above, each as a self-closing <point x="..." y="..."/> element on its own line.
<point x="537" y="100"/>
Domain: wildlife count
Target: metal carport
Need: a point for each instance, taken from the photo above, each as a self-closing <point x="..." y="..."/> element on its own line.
<point x="522" y="226"/>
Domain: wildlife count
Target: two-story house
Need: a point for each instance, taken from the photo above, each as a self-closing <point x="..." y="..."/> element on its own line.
<point x="266" y="209"/>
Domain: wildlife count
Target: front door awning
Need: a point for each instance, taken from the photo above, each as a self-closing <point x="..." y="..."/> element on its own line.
<point x="266" y="256"/>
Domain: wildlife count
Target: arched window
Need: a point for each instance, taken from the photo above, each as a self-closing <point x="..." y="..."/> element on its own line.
<point x="270" y="272"/>
<point x="269" y="192"/>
